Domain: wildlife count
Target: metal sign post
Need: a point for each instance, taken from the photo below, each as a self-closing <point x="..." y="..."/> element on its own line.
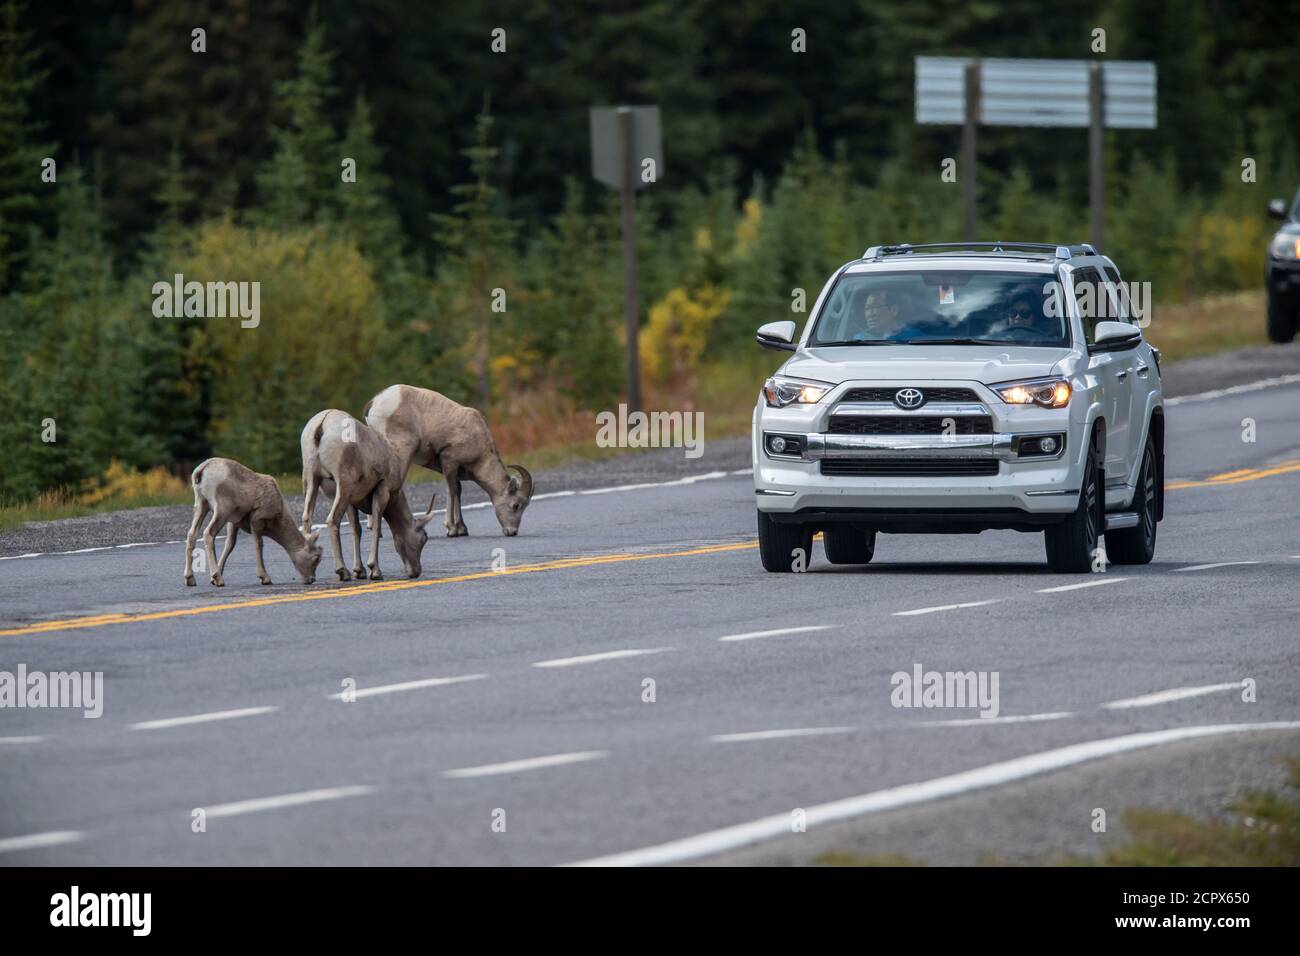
<point x="626" y="148"/>
<point x="1119" y="94"/>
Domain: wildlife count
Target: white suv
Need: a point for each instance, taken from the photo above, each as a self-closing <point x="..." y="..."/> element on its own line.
<point x="956" y="388"/>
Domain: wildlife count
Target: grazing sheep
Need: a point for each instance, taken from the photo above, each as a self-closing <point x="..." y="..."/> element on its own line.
<point x="352" y="463"/>
<point x="427" y="428"/>
<point x="240" y="498"/>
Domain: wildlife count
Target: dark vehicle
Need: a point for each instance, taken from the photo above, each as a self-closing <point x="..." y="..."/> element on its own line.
<point x="1283" y="271"/>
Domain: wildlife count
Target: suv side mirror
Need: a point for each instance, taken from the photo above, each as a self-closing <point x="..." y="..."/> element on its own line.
<point x="1114" y="337"/>
<point x="778" y="336"/>
<point x="1277" y="208"/>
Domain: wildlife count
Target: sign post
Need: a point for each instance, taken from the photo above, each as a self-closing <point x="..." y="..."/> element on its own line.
<point x="1115" y="94"/>
<point x="626" y="154"/>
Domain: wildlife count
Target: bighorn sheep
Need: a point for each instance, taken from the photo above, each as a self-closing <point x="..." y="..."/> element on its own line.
<point x="240" y="498"/>
<point x="351" y="462"/>
<point x="427" y="428"/>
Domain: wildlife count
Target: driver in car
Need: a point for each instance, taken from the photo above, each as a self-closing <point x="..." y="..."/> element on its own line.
<point x="882" y="315"/>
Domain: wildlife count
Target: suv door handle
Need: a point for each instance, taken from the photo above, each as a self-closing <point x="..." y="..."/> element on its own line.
<point x="1143" y="369"/>
<point x="1121" y="374"/>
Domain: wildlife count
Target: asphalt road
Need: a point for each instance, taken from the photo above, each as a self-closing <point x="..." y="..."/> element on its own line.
<point x="569" y="755"/>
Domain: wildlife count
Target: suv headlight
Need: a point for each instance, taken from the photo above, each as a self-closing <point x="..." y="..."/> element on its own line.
<point x="1286" y="247"/>
<point x="781" y="391"/>
<point x="1047" y="392"/>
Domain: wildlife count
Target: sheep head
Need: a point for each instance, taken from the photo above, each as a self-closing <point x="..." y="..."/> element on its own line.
<point x="513" y="499"/>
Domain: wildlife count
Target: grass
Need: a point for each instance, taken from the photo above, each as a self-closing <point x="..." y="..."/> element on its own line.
<point x="1263" y="830"/>
<point x="543" y="431"/>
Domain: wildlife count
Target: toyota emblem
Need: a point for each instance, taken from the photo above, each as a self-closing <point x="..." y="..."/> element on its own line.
<point x="909" y="398"/>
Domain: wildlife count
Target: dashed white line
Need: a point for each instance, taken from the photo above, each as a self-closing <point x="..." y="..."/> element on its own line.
<point x="944" y="607"/>
<point x="531" y="763"/>
<point x="1235" y="389"/>
<point x="201" y="718"/>
<point x="604" y="656"/>
<point x="778" y="734"/>
<point x="285" y="800"/>
<point x="1009" y="719"/>
<point x="405" y="685"/>
<point x="1217" y="564"/>
<point x="752" y="635"/>
<point x="1076" y="587"/>
<point x="1165" y="696"/>
<point x="36" y="841"/>
<point x="20" y="740"/>
<point x="729" y="838"/>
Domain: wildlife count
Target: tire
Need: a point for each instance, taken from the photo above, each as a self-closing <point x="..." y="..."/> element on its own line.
<point x="848" y="545"/>
<point x="1072" y="543"/>
<point x="1138" y="545"/>
<point x="777" y="543"/>
<point x="1281" y="320"/>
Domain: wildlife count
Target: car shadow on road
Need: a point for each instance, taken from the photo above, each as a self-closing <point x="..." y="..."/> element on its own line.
<point x="929" y="567"/>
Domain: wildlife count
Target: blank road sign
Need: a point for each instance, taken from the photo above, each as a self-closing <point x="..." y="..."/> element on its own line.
<point x="607" y="147"/>
<point x="1036" y="92"/>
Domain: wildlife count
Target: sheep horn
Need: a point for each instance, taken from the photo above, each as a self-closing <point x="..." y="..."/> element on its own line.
<point x="525" y="480"/>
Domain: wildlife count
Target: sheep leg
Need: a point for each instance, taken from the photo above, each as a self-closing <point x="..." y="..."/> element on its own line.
<point x="209" y="547"/>
<point x="357" y="570"/>
<point x="309" y="489"/>
<point x="378" y="503"/>
<point x="261" y="567"/>
<point x="455" y="526"/>
<point x="332" y="520"/>
<point x="232" y="532"/>
<point x="200" y="512"/>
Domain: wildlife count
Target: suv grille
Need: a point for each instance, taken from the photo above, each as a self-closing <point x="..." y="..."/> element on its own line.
<point x="910" y="467"/>
<point x="910" y="425"/>
<point x="931" y="394"/>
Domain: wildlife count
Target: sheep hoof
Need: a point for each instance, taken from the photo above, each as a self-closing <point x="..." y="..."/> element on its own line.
<point x="189" y="580"/>
<point x="458" y="532"/>
<point x="359" y="573"/>
<point x="344" y="574"/>
<point x="217" y="581"/>
<point x="264" y="579"/>
<point x="376" y="575"/>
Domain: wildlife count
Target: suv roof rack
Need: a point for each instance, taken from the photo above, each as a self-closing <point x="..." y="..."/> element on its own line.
<point x="876" y="253"/>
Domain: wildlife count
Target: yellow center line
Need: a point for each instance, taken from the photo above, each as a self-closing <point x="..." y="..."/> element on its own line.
<point x="1238" y="476"/>
<point x="561" y="564"/>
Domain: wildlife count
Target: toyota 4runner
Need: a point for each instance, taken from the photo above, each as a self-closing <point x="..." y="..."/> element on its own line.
<point x="958" y="388"/>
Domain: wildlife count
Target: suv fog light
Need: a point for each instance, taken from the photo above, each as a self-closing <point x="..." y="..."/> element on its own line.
<point x="778" y="444"/>
<point x="1048" y="445"/>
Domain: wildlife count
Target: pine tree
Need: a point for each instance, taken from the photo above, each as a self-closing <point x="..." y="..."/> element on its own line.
<point x="478" y="240"/>
<point x="363" y="207"/>
<point x="21" y="148"/>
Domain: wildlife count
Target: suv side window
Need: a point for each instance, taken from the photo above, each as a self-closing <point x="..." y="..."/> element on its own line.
<point x="1124" y="311"/>
<point x="1089" y="293"/>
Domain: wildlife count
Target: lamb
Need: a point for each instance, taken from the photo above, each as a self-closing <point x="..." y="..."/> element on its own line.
<point x="241" y="498"/>
<point x="427" y="428"/>
<point x="353" y="464"/>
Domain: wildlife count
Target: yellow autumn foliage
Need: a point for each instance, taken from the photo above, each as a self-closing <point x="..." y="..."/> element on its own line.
<point x="674" y="338"/>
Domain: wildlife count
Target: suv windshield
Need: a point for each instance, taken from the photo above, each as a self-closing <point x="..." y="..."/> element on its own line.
<point x="934" y="306"/>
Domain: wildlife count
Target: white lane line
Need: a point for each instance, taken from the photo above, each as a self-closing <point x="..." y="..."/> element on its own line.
<point x="980" y="778"/>
<point x="201" y="718"/>
<point x="405" y="685"/>
<point x="944" y="607"/>
<point x="35" y="841"/>
<point x="286" y="800"/>
<point x="531" y="763"/>
<point x="1219" y="564"/>
<point x="1165" y="696"/>
<point x="779" y="734"/>
<point x="1076" y="587"/>
<point x="20" y="740"/>
<point x="1235" y="389"/>
<point x="604" y="656"/>
<point x="1010" y="719"/>
<point x="751" y="635"/>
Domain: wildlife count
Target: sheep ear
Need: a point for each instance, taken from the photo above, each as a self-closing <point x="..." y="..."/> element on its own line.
<point x="311" y="539"/>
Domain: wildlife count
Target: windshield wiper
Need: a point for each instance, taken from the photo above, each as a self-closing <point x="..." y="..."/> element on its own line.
<point x="965" y="342"/>
<point x="823" y="345"/>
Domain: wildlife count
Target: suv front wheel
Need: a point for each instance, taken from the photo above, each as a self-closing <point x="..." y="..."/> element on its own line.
<point x="1072" y="544"/>
<point x="1138" y="545"/>
<point x="782" y="546"/>
<point x="1281" y="319"/>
